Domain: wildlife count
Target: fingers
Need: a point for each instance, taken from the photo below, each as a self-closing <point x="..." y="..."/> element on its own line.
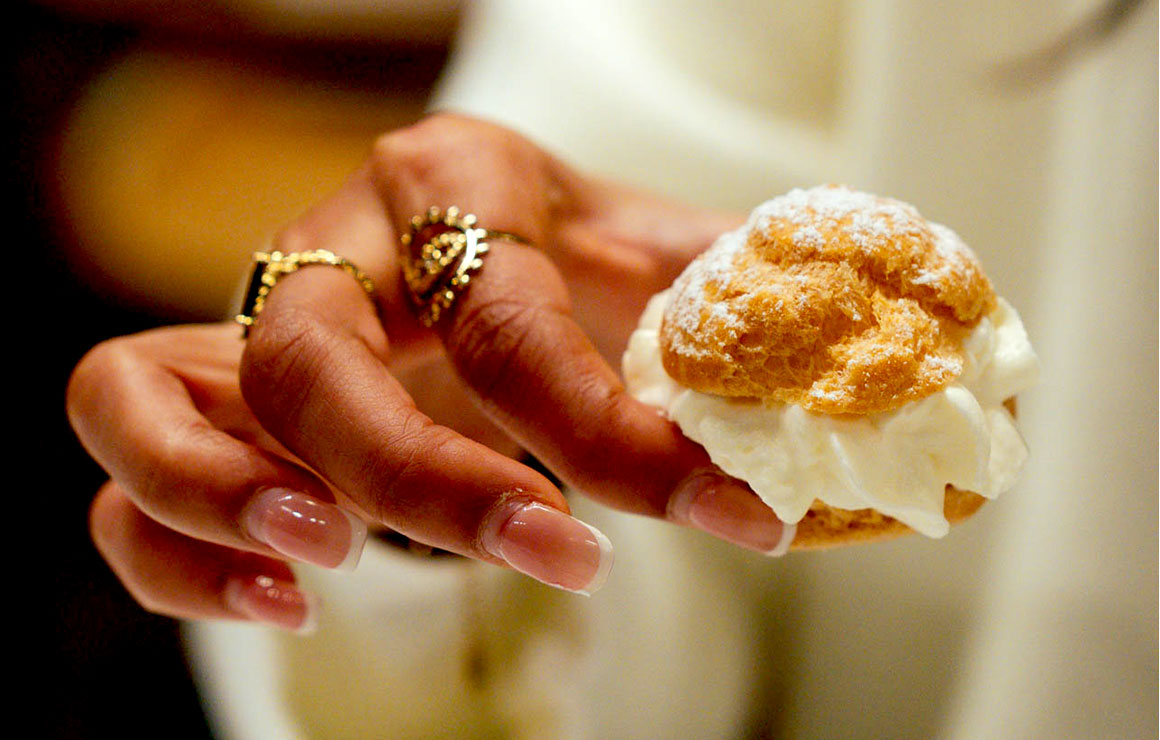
<point x="141" y="405"/>
<point x="205" y="503"/>
<point x="538" y="375"/>
<point x="512" y="338"/>
<point x="319" y="388"/>
<point x="352" y="223"/>
<point x="178" y="576"/>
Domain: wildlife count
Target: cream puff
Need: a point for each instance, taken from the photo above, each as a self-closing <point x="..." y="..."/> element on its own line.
<point x="846" y="358"/>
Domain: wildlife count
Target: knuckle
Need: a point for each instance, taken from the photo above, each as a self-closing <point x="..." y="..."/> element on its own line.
<point x="282" y="365"/>
<point x="409" y="468"/>
<point x="99" y="365"/>
<point x="295" y="237"/>
<point x="407" y="153"/>
<point x="606" y="407"/>
<point x="420" y="151"/>
<point x="603" y="421"/>
<point x="488" y="340"/>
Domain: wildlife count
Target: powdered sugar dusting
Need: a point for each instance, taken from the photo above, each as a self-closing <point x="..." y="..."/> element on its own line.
<point x="712" y="268"/>
<point x="842" y="300"/>
<point x="865" y="219"/>
<point x="952" y="366"/>
<point x="956" y="258"/>
<point x="812" y="215"/>
<point x="809" y="236"/>
<point x="897" y="462"/>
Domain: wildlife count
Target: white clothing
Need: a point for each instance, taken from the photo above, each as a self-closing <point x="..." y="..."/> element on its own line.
<point x="1037" y="618"/>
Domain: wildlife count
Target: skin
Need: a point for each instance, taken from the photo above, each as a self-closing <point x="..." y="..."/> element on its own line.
<point x="353" y="401"/>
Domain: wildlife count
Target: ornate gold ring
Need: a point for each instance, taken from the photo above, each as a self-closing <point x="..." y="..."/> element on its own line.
<point x="270" y="267"/>
<point x="439" y="256"/>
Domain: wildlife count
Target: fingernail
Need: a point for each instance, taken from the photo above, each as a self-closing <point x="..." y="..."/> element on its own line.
<point x="273" y="601"/>
<point x="726" y="509"/>
<point x="550" y="546"/>
<point x="306" y="529"/>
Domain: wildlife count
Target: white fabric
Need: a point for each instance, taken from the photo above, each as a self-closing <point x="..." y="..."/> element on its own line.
<point x="1035" y="619"/>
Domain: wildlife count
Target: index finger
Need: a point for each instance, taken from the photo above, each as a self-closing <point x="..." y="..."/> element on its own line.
<point x="511" y="337"/>
<point x="314" y="373"/>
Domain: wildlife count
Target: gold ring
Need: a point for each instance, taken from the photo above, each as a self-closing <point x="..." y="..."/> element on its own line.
<point x="440" y="254"/>
<point x="269" y="267"/>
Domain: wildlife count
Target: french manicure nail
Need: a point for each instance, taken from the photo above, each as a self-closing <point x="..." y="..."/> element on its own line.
<point x="273" y="601"/>
<point x="304" y="528"/>
<point x="550" y="546"/>
<point x="726" y="509"/>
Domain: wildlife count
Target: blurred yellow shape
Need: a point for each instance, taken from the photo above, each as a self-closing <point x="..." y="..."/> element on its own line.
<point x="173" y="168"/>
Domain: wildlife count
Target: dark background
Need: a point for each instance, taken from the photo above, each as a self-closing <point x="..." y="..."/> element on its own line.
<point x="100" y="666"/>
<point x="104" y="668"/>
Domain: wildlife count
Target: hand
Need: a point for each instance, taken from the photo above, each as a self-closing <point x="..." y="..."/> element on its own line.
<point x="163" y="414"/>
<point x="321" y="371"/>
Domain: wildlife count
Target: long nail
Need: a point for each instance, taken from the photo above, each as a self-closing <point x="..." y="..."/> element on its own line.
<point x="306" y="529"/>
<point x="550" y="546"/>
<point x="721" y="506"/>
<point x="273" y="601"/>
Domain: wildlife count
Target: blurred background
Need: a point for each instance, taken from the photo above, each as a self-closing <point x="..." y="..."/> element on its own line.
<point x="156" y="143"/>
<point x="134" y="210"/>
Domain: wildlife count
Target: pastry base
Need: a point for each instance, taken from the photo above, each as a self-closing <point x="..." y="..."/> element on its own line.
<point x="825" y="526"/>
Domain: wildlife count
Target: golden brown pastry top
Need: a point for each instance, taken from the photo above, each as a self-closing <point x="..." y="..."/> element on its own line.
<point x="837" y="300"/>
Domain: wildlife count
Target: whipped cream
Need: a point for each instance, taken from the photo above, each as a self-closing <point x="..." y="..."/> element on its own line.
<point x="897" y="462"/>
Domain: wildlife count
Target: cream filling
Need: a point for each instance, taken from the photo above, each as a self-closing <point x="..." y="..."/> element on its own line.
<point x="897" y="462"/>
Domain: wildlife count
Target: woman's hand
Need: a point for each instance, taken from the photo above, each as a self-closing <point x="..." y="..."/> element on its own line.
<point x="163" y="414"/>
<point x="345" y="391"/>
